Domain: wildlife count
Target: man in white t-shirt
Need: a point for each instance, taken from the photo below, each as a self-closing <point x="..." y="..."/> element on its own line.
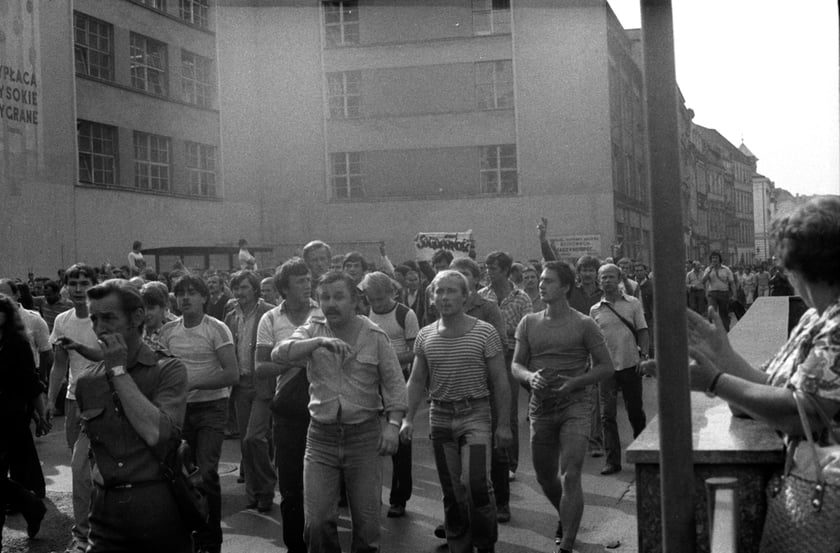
<point x="37" y="332"/>
<point x="136" y="263"/>
<point x="400" y="324"/>
<point x="205" y="346"/>
<point x="77" y="351"/>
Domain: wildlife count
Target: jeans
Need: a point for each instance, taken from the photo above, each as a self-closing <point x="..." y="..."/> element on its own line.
<point x="204" y="431"/>
<point x="462" y="441"/>
<point x="630" y="383"/>
<point x="720" y="301"/>
<point x="80" y="470"/>
<point x="349" y="452"/>
<point x="401" y="483"/>
<point x="697" y="300"/>
<point x="290" y="446"/>
<point x="241" y="398"/>
<point x="596" y="429"/>
<point x="260" y="477"/>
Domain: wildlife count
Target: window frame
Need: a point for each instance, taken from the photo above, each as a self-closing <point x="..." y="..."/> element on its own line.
<point x="200" y="167"/>
<point x="347" y="161"/>
<point x="151" y="176"/>
<point x="347" y="110"/>
<point x="195" y="12"/>
<point x="141" y="66"/>
<point x="496" y="86"/>
<point x="500" y="19"/>
<point x="348" y="29"/>
<point x="87" y="49"/>
<point x="194" y="90"/>
<point x="87" y="158"/>
<point x="497" y="169"/>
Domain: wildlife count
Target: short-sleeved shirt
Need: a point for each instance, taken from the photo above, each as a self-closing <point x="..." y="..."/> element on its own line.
<point x="68" y="325"/>
<point x="121" y="454"/>
<point x="720" y="279"/>
<point x="398" y="334"/>
<point x="620" y="341"/>
<point x="198" y="348"/>
<point x="810" y="359"/>
<point x="516" y="305"/>
<point x="458" y="366"/>
<point x="37" y="332"/>
<point x="51" y="310"/>
<point x="560" y="349"/>
<point x="694" y="280"/>
<point x="275" y="327"/>
<point x="355" y="389"/>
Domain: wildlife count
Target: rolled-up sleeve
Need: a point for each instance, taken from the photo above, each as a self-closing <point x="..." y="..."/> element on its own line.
<point x="280" y="353"/>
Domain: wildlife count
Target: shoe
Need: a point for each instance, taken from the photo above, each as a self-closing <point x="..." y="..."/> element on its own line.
<point x="240" y="479"/>
<point x="511" y="476"/>
<point x="610" y="469"/>
<point x="440" y="532"/>
<point x="597" y="453"/>
<point x="503" y="513"/>
<point x="396" y="511"/>
<point x="33" y="521"/>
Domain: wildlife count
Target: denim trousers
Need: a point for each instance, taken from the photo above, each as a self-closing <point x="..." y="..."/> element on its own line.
<point x="260" y="477"/>
<point x="204" y="431"/>
<point x="462" y="441"/>
<point x="80" y="470"/>
<point x="401" y="483"/>
<point x="290" y="446"/>
<point x="720" y="301"/>
<point x="349" y="452"/>
<point x="241" y="398"/>
<point x="630" y="383"/>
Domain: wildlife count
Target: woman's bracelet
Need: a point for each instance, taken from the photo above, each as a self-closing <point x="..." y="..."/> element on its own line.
<point x="713" y="384"/>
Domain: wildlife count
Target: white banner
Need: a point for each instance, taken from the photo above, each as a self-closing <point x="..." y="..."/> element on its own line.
<point x="575" y="245"/>
<point x="427" y="243"/>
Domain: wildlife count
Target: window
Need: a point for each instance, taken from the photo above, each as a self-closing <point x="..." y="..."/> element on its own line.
<point x="494" y="84"/>
<point x="151" y="161"/>
<point x="201" y="169"/>
<point x="94" y="47"/>
<point x="196" y="79"/>
<point x="347" y="175"/>
<point x="491" y="16"/>
<point x="148" y="64"/>
<point x="498" y="169"/>
<point x="341" y="23"/>
<point x="195" y="12"/>
<point x="344" y="94"/>
<point x="156" y="4"/>
<point x="97" y="153"/>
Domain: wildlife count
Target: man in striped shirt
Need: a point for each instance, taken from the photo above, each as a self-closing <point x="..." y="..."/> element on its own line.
<point x="459" y="356"/>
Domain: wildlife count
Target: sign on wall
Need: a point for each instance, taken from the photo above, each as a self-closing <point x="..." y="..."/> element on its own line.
<point x="575" y="245"/>
<point x="427" y="243"/>
<point x="20" y="69"/>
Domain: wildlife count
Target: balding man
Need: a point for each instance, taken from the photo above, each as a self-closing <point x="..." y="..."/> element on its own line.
<point x="622" y="321"/>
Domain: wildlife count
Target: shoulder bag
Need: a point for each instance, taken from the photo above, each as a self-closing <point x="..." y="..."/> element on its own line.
<point x="803" y="503"/>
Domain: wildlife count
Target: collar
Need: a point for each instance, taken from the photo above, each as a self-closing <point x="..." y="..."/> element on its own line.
<point x="603" y="299"/>
<point x="145" y="356"/>
<point x="312" y="305"/>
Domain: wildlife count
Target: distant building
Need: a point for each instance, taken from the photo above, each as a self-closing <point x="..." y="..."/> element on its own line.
<point x="356" y="122"/>
<point x="763" y="212"/>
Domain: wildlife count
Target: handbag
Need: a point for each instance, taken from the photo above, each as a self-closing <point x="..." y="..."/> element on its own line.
<point x="291" y="398"/>
<point x="803" y="503"/>
<point x="181" y="474"/>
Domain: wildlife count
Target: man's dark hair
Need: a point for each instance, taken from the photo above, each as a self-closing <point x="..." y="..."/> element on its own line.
<point x="588" y="261"/>
<point x="331" y="277"/>
<point x="716" y="253"/>
<point x="53" y="285"/>
<point x="402" y="270"/>
<point x="469" y="265"/>
<point x="155" y="293"/>
<point x="130" y="298"/>
<point x="291" y="268"/>
<point x="183" y="284"/>
<point x="354" y="257"/>
<point x="441" y="257"/>
<point x="246" y="274"/>
<point x="316" y="245"/>
<point x="136" y="245"/>
<point x="502" y="259"/>
<point x="80" y="269"/>
<point x="565" y="274"/>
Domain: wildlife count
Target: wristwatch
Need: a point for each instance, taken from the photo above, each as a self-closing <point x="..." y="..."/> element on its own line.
<point x="395" y="423"/>
<point x="119" y="370"/>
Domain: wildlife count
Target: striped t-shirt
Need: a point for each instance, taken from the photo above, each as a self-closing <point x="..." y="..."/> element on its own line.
<point x="458" y="366"/>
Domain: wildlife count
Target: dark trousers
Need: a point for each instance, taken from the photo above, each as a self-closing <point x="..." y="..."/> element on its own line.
<point x="13" y="493"/>
<point x="630" y="384"/>
<point x="290" y="446"/>
<point x="697" y="300"/>
<point x="720" y="301"/>
<point x="24" y="465"/>
<point x="204" y="430"/>
<point x="401" y="483"/>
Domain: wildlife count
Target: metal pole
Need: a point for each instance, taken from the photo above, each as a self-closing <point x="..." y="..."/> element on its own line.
<point x="676" y="462"/>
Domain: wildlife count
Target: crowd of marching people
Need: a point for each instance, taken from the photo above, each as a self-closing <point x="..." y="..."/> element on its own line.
<point x="320" y="367"/>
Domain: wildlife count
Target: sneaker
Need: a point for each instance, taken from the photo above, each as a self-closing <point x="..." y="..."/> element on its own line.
<point x="503" y="513"/>
<point x="440" y="532"/>
<point x="396" y="511"/>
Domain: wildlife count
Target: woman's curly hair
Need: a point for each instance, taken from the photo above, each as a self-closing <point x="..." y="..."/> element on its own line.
<point x="808" y="240"/>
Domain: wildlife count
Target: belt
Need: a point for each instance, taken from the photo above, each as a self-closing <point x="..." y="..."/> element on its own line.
<point x="465" y="403"/>
<point x="129" y="485"/>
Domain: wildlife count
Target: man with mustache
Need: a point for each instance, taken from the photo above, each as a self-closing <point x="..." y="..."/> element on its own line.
<point x="354" y="376"/>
